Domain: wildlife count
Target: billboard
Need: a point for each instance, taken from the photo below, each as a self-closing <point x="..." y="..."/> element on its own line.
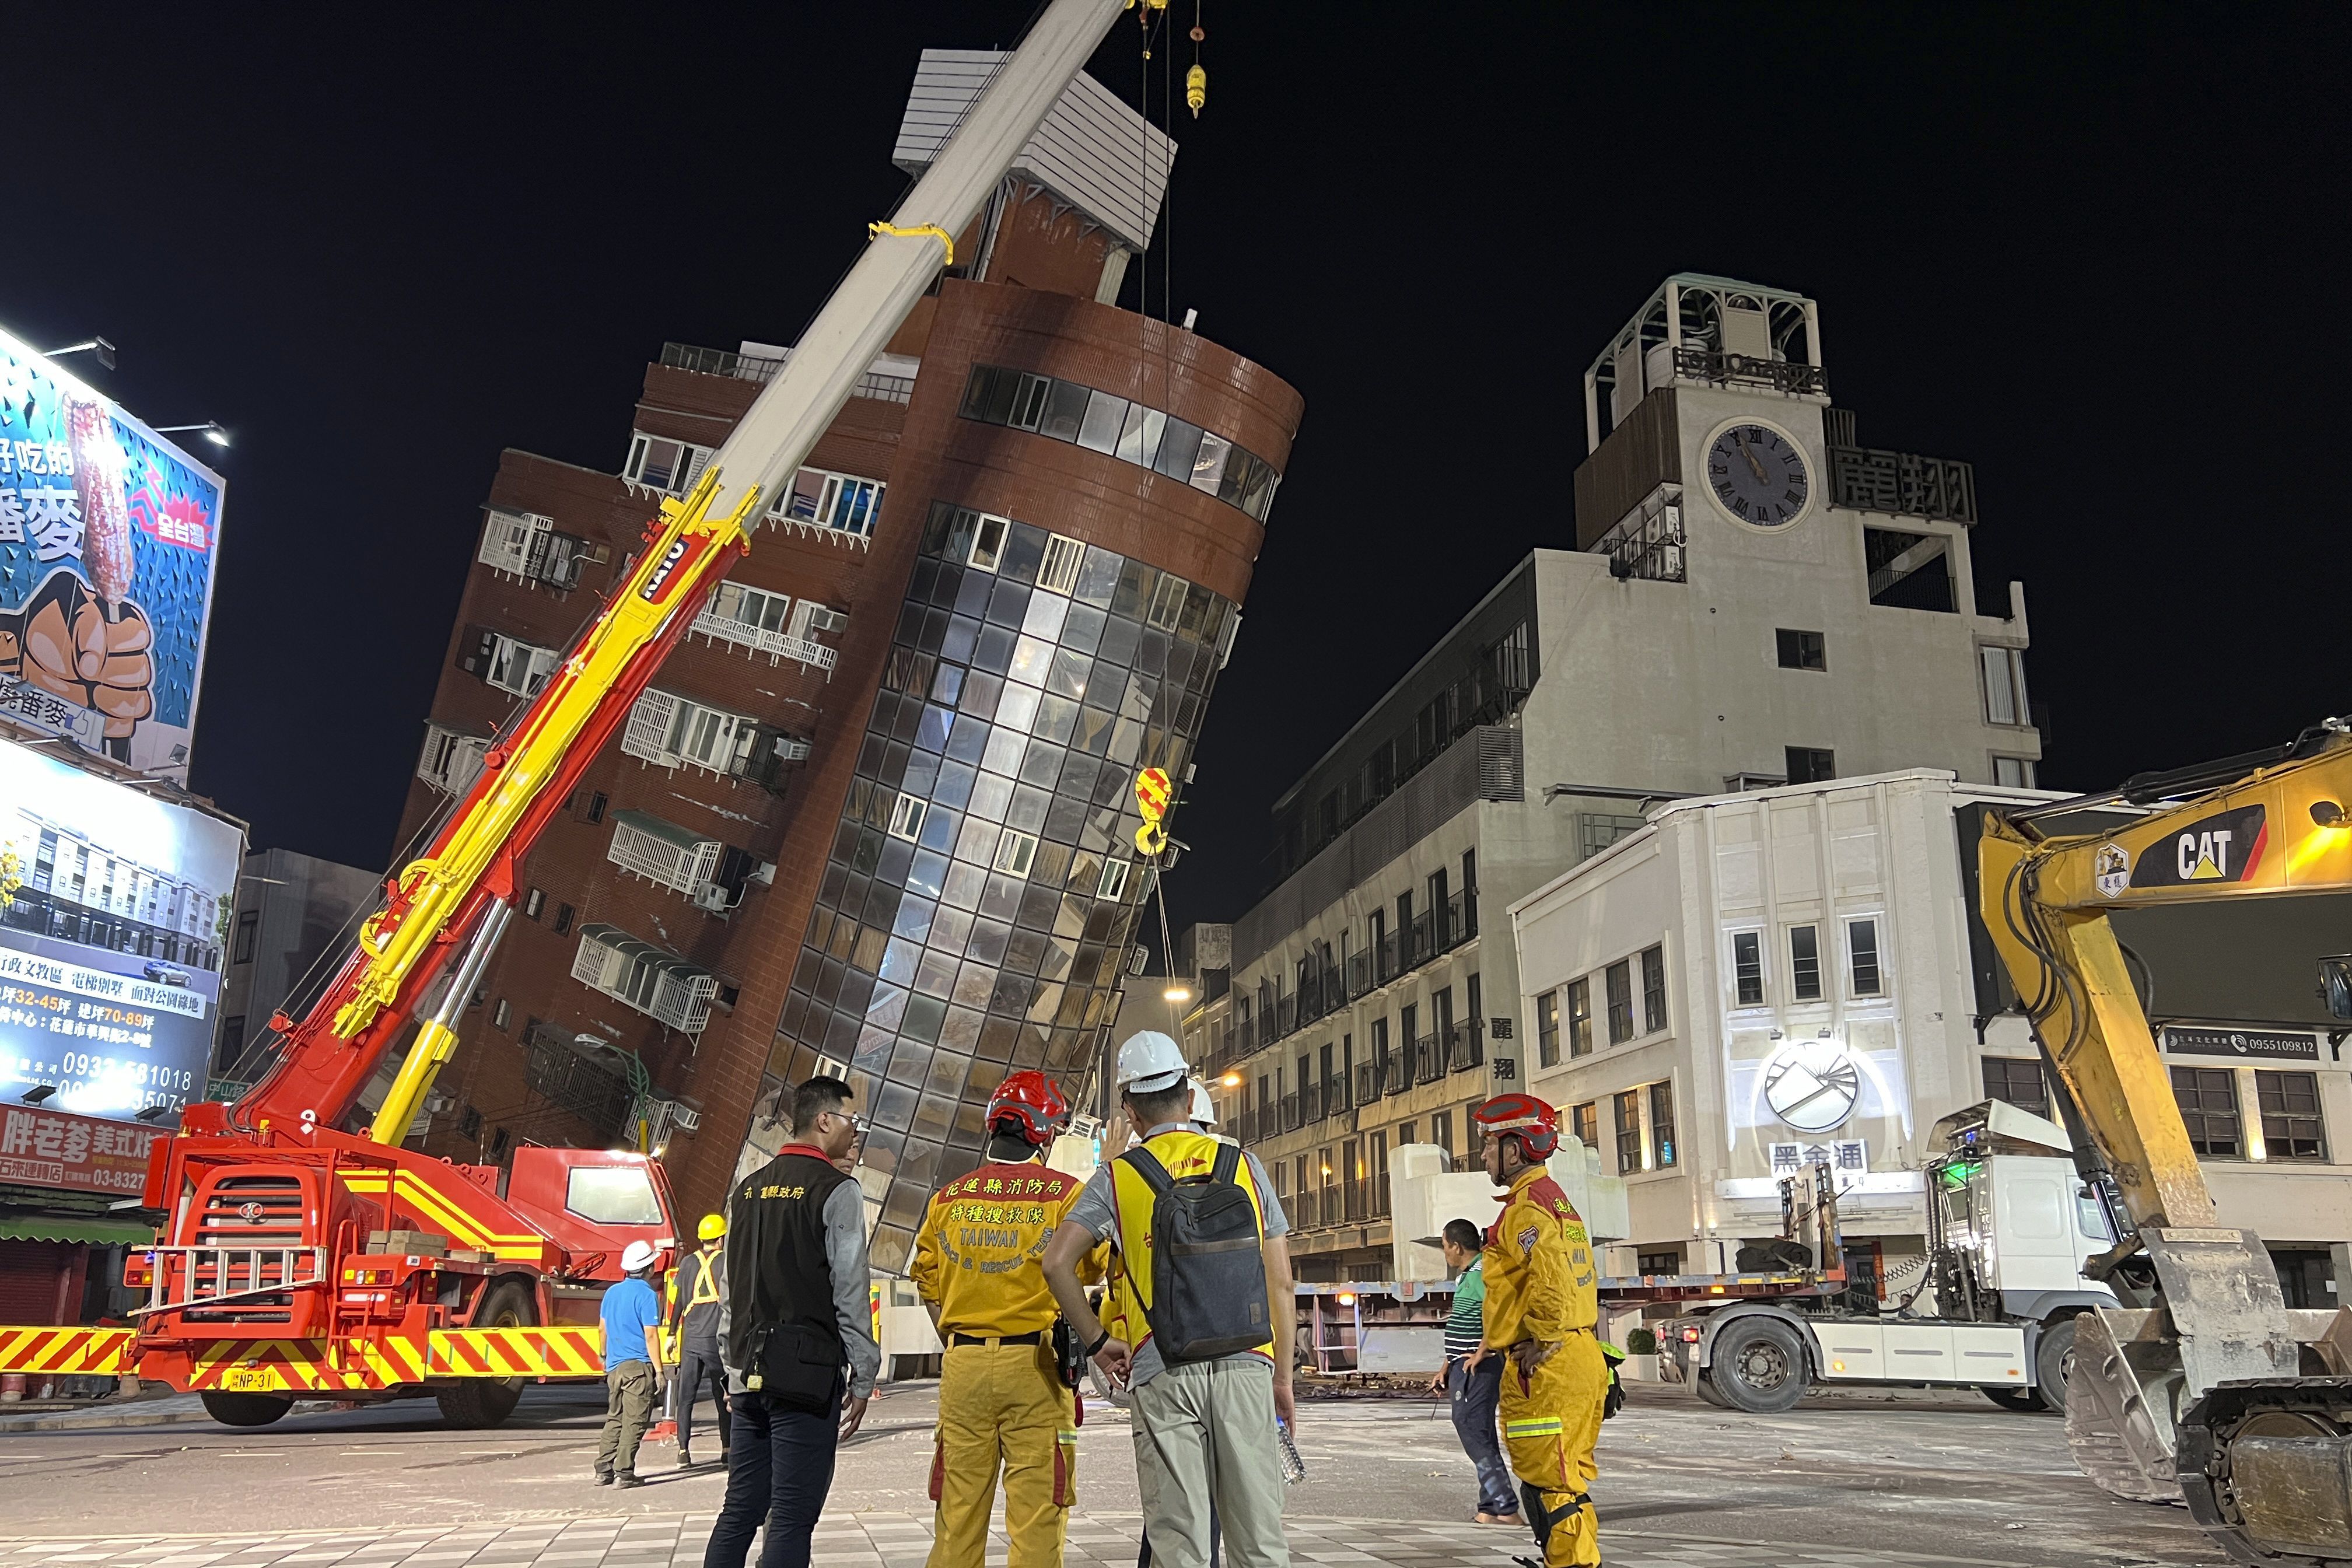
<point x="114" y="909"/>
<point x="53" y="1149"/>
<point x="108" y="538"/>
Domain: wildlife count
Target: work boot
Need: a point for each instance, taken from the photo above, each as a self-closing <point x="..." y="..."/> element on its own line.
<point x="625" y="1479"/>
<point x="604" y="1478"/>
<point x="685" y="1459"/>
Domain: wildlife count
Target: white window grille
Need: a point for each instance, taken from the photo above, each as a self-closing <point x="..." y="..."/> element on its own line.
<point x="675" y="731"/>
<point x="1114" y="878"/>
<point x="451" y="761"/>
<point x="661" y="464"/>
<point x="655" y="983"/>
<point x="1064" y="556"/>
<point x="518" y="667"/>
<point x="662" y="852"/>
<point x="845" y="503"/>
<point x="507" y="538"/>
<point x="1015" y="852"/>
<point x="906" y="817"/>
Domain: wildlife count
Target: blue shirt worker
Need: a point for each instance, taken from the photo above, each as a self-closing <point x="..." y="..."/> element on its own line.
<point x="630" y="1312"/>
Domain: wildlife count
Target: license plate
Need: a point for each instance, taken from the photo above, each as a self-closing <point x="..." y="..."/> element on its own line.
<point x="252" y="1380"/>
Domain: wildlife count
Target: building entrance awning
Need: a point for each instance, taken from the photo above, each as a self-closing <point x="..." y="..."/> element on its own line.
<point x="95" y="1230"/>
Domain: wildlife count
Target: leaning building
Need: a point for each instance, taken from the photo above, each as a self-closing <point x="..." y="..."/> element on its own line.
<point x="875" y="816"/>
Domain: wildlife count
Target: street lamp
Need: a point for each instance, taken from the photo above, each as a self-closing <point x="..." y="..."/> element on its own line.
<point x="104" y="350"/>
<point x="210" y="431"/>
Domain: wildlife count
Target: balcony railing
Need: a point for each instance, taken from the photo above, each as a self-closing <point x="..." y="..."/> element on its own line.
<point x="777" y="646"/>
<point x="1428" y="1059"/>
<point x="753" y="367"/>
<point x="1751" y="370"/>
<point x="1465" y="1046"/>
<point x="764" y="759"/>
<point x="1336" y="1101"/>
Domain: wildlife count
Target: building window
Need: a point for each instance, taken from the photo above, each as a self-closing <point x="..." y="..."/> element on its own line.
<point x="1805" y="964"/>
<point x="2017" y="773"/>
<point x="1580" y="1017"/>
<point x="1653" y="990"/>
<point x="1059" y="572"/>
<point x="670" y="467"/>
<point x="987" y="542"/>
<point x="2292" y="1129"/>
<point x="1807" y="765"/>
<point x="1584" y="1120"/>
<point x="843" y="502"/>
<point x="1168" y="602"/>
<point x="2207" y="1097"/>
<point x="1862" y="953"/>
<point x="1627" y="1110"/>
<point x="1548" y="1029"/>
<point x="1015" y="852"/>
<point x="2004" y="685"/>
<point x="1748" y="967"/>
<point x="1599" y="829"/>
<point x="596" y="803"/>
<point x="1114" y="880"/>
<point x="511" y="664"/>
<point x="450" y="762"/>
<point x="1801" y="650"/>
<point x="232" y="1039"/>
<point x="907" y="818"/>
<point x="674" y="732"/>
<point x="501" y="1013"/>
<point x="532" y="902"/>
<point x="1662" y="1122"/>
<point x="562" y="919"/>
<point x="248" y="927"/>
<point x="1620" y="978"/>
<point x="2018" y="1081"/>
<point x="1441" y="1131"/>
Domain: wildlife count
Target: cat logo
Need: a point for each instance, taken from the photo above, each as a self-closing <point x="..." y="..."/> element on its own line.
<point x="2224" y="847"/>
<point x="2111" y="869"/>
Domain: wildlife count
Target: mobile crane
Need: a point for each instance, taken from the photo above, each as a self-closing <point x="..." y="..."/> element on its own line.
<point x="301" y="1255"/>
<point x="2205" y="1386"/>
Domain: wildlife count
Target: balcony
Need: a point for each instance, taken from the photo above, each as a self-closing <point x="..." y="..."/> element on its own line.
<point x="662" y="852"/>
<point x="1291" y="1121"/>
<point x="526" y="545"/>
<point x="765" y="757"/>
<point x="1465" y="1046"/>
<point x="875" y="382"/>
<point x="778" y="645"/>
<point x="1428" y="1059"/>
<point x="1367" y="1084"/>
<point x="1336" y="1101"/>
<point x="1752" y="370"/>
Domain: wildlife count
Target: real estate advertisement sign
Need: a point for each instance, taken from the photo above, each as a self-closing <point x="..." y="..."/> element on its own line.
<point x="113" y="906"/>
<point x="108" y="538"/>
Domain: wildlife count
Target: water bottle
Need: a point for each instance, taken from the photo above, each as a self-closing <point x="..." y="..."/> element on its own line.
<point x="1294" y="1468"/>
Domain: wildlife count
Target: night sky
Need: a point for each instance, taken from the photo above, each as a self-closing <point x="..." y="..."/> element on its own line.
<point x="2088" y="252"/>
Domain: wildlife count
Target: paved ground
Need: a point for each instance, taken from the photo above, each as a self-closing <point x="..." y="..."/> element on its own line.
<point x="1858" y="1484"/>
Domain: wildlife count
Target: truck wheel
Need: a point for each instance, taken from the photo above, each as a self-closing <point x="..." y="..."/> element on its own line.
<point x="1702" y="1385"/>
<point x="245" y="1410"/>
<point x="481" y="1402"/>
<point x="2011" y="1397"/>
<point x="1759" y="1365"/>
<point x="2051" y="1357"/>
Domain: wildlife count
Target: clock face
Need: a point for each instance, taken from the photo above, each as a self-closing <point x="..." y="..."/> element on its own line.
<point x="1758" y="475"/>
<point x="1811" y="1084"/>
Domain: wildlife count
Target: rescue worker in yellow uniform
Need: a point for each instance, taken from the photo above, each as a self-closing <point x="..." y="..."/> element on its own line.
<point x="691" y="1335"/>
<point x="1001" y="1399"/>
<point x="1542" y="1306"/>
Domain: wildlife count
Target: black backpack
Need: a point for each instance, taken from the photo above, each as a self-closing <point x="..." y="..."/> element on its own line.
<point x="1208" y="1260"/>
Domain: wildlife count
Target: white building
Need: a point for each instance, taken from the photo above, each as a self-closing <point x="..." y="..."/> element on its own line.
<point x="1708" y="632"/>
<point x="1750" y="978"/>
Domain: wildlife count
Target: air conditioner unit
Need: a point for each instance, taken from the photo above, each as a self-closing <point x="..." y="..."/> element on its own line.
<point x="438" y="1104"/>
<point x="683" y="1116"/>
<point x="713" y="897"/>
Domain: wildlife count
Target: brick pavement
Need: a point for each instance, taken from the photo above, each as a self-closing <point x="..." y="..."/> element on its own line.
<point x="885" y="1540"/>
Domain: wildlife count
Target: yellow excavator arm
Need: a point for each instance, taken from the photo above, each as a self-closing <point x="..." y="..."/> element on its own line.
<point x="2198" y="1392"/>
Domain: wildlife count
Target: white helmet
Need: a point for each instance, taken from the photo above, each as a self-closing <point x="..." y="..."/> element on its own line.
<point x="1150" y="1063"/>
<point x="637" y="1256"/>
<point x="1205" y="1109"/>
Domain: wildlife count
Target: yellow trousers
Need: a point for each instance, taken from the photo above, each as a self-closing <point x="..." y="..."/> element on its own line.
<point x="1550" y="1423"/>
<point x="1002" y="1405"/>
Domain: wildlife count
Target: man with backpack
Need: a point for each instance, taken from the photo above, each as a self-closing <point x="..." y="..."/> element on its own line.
<point x="1205" y="1274"/>
<point x="1542" y="1305"/>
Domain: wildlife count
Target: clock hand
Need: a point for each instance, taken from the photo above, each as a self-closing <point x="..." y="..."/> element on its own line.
<point x="1749" y="453"/>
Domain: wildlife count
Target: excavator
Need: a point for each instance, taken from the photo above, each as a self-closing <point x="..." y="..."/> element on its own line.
<point x="2204" y="1386"/>
<point x="303" y="1251"/>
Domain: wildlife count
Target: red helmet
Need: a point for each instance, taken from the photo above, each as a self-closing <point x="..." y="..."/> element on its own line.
<point x="1031" y="1100"/>
<point x="1524" y="1116"/>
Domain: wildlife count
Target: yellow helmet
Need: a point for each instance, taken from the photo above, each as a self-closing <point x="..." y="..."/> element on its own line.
<point x="712" y="1228"/>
